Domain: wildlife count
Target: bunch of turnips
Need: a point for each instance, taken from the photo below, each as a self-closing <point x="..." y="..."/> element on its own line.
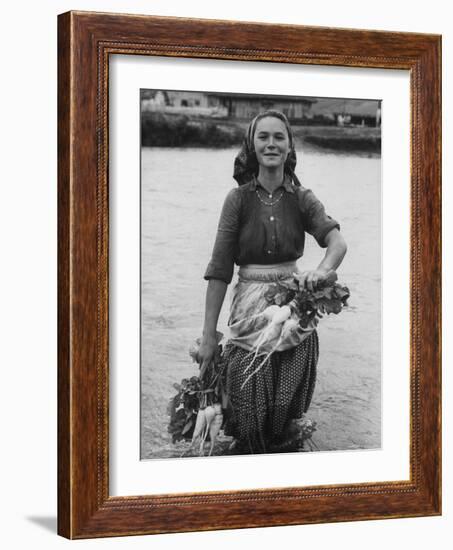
<point x="196" y="411"/>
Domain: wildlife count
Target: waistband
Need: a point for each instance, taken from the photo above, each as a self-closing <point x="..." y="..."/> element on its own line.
<point x="269" y="272"/>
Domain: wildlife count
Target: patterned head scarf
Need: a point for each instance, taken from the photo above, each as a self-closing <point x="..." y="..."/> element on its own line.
<point x="246" y="163"/>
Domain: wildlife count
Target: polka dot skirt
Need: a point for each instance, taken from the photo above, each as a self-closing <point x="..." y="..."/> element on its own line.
<point x="259" y="412"/>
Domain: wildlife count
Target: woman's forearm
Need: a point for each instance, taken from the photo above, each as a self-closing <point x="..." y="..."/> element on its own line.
<point x="336" y="250"/>
<point x="215" y="295"/>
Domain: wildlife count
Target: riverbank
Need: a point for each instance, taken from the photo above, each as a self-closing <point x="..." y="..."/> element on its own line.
<point x="163" y="130"/>
<point x="159" y="130"/>
<point x="349" y="139"/>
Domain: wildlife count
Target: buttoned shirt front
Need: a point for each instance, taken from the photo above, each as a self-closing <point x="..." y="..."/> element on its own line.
<point x="256" y="227"/>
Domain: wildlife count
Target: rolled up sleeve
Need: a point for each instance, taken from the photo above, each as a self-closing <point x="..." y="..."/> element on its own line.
<point x="221" y="265"/>
<point x="315" y="219"/>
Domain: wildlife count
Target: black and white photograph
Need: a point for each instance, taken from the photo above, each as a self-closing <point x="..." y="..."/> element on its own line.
<point x="225" y="277"/>
<point x="260" y="274"/>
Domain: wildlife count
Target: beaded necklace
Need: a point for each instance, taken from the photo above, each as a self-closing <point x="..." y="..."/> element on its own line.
<point x="269" y="203"/>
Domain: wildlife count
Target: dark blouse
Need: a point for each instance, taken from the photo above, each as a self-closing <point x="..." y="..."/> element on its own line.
<point x="251" y="231"/>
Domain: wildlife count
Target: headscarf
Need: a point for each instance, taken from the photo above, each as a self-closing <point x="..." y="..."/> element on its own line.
<point x="246" y="164"/>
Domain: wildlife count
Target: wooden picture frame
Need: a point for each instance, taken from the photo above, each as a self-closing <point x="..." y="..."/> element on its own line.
<point x="85" y="41"/>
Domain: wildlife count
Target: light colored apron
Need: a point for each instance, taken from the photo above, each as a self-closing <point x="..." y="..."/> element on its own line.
<point x="252" y="294"/>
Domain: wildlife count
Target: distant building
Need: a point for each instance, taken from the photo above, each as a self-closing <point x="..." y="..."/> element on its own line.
<point x="179" y="103"/>
<point x="154" y="99"/>
<point x="344" y="112"/>
<point x="224" y="105"/>
<point x="168" y="98"/>
<point x="246" y="106"/>
<point x="188" y="99"/>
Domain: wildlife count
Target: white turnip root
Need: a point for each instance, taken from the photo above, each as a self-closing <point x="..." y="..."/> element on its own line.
<point x="209" y="413"/>
<point x="277" y="315"/>
<point x="281" y="315"/>
<point x="270" y="332"/>
<point x="214" y="429"/>
<point x="290" y="325"/>
<point x="270" y="311"/>
<point x="200" y="425"/>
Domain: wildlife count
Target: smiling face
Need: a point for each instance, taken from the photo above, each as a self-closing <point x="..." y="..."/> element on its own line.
<point x="271" y="142"/>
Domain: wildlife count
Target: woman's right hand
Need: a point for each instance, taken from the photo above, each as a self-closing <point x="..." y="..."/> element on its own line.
<point x="206" y="353"/>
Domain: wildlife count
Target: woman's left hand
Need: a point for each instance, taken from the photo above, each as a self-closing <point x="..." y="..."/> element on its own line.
<point x="311" y="279"/>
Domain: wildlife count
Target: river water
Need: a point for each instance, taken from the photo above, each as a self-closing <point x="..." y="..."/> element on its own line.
<point x="182" y="195"/>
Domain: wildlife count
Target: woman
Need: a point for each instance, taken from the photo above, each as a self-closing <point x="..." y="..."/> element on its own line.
<point x="262" y="229"/>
